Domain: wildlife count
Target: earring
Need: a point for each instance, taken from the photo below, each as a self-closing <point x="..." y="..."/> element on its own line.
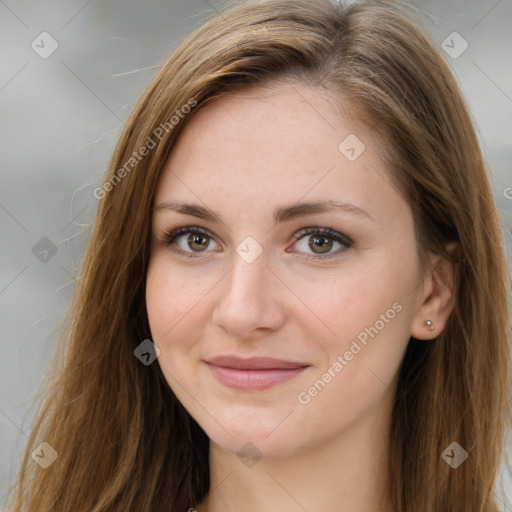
<point x="429" y="324"/>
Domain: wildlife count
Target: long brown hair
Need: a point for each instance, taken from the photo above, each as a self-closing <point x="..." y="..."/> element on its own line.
<point x="124" y="442"/>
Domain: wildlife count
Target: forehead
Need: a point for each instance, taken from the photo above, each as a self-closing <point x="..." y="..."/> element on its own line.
<point x="278" y="123"/>
<point x="265" y="146"/>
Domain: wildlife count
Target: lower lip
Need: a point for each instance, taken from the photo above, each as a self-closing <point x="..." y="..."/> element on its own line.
<point x="253" y="379"/>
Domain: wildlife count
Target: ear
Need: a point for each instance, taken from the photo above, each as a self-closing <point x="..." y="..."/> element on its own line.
<point x="437" y="298"/>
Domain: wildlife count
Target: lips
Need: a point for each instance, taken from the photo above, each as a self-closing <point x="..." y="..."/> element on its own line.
<point x="255" y="373"/>
<point x="254" y="363"/>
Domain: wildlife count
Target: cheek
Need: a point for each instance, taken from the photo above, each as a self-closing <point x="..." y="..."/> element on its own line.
<point x="343" y="302"/>
<point x="173" y="297"/>
<point x="365" y="314"/>
<point x="176" y="303"/>
<point x="360" y="369"/>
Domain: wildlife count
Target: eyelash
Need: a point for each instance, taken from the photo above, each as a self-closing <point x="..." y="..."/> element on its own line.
<point x="345" y="241"/>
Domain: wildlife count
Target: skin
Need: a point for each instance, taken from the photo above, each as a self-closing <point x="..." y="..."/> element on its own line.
<point x="243" y="156"/>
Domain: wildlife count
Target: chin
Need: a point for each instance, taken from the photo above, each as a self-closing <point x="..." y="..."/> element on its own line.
<point x="267" y="435"/>
<point x="252" y="445"/>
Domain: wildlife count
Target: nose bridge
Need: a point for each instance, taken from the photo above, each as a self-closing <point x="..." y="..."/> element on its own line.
<point x="248" y="300"/>
<point x="247" y="278"/>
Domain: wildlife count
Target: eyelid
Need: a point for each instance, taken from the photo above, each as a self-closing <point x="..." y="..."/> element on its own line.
<point x="327" y="231"/>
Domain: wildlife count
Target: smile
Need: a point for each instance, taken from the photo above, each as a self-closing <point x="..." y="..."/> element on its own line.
<point x="255" y="373"/>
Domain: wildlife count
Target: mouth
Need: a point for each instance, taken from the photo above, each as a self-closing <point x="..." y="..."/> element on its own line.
<point x="255" y="373"/>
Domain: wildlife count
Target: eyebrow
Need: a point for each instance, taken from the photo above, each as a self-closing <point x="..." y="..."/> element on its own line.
<point x="280" y="214"/>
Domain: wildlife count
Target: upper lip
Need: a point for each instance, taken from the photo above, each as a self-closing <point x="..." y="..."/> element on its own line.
<point x="254" y="363"/>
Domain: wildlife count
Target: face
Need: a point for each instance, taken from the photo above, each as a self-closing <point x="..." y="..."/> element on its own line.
<point x="278" y="323"/>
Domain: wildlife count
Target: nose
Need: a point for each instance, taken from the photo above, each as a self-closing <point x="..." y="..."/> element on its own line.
<point x="250" y="302"/>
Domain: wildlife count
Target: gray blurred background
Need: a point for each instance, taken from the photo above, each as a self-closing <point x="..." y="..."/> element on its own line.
<point x="71" y="72"/>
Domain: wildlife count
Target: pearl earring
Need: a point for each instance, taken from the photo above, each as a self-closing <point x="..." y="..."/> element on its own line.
<point x="429" y="324"/>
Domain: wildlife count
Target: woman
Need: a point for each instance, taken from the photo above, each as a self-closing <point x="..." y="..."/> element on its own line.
<point x="294" y="296"/>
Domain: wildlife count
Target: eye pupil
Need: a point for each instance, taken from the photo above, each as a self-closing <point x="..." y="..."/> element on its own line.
<point x="198" y="240"/>
<point x="324" y="243"/>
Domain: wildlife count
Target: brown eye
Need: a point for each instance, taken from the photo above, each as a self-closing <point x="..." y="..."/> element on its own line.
<point x="197" y="240"/>
<point x="321" y="242"/>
